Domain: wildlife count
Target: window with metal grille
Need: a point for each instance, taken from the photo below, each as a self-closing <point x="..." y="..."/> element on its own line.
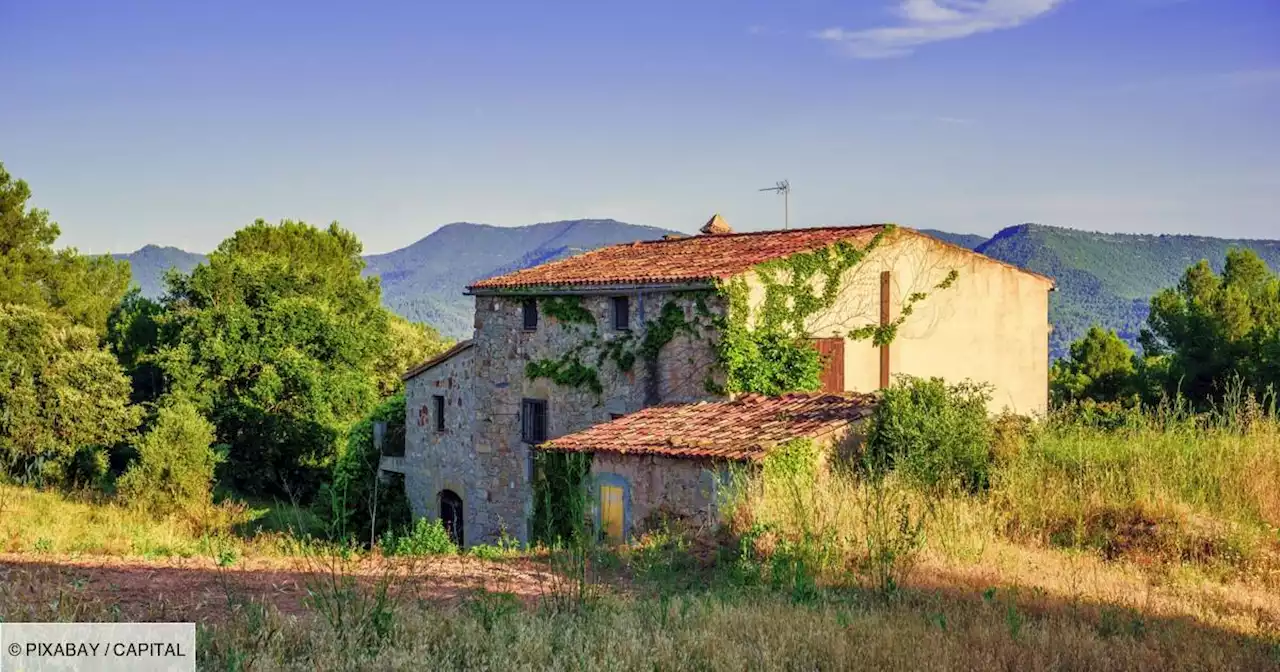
<point x="530" y="314"/>
<point x="438" y="401"/>
<point x="533" y="421"/>
<point x="621" y="313"/>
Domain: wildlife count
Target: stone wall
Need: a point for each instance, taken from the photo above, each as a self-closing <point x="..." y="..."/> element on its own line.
<point x="502" y="351"/>
<point x="656" y="484"/>
<point x="444" y="460"/>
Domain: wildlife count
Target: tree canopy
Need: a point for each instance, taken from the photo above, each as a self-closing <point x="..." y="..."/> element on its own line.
<point x="1215" y="329"/>
<point x="59" y="391"/>
<point x="1101" y="367"/>
<point x="278" y="339"/>
<point x="83" y="289"/>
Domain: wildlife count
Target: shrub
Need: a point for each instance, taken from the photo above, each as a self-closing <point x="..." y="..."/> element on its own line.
<point x="560" y="500"/>
<point x="351" y="493"/>
<point x="174" y="471"/>
<point x="937" y="435"/>
<point x="426" y="537"/>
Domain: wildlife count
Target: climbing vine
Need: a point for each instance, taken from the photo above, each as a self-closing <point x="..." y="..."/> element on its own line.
<point x="567" y="309"/>
<point x="767" y="352"/>
<point x="623" y="352"/>
<point x="561" y="500"/>
<point x="883" y="334"/>
<point x="764" y="351"/>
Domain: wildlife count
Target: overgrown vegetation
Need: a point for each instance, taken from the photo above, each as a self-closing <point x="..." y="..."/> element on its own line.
<point x="245" y="379"/>
<point x="936" y="435"/>
<point x="176" y="460"/>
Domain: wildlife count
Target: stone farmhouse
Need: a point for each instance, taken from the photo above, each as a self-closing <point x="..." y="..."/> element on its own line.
<point x="635" y="353"/>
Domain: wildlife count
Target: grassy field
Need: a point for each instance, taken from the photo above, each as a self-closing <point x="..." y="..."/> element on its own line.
<point x="1153" y="546"/>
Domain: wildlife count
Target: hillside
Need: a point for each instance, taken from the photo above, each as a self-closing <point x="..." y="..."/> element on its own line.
<point x="969" y="240"/>
<point x="150" y="263"/>
<point x="1109" y="277"/>
<point x="424" y="281"/>
<point x="1102" y="277"/>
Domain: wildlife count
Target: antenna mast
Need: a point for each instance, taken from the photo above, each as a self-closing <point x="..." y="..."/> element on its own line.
<point x="784" y="188"/>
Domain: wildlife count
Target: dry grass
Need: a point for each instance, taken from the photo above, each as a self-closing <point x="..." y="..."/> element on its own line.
<point x="57" y="523"/>
<point x="1150" y="548"/>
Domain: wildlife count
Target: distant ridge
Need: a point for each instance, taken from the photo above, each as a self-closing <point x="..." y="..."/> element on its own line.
<point x="1104" y="278"/>
<point x="151" y="262"/>
<point x="1108" y="278"/>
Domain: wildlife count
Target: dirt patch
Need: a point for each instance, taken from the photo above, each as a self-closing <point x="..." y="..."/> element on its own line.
<point x="44" y="587"/>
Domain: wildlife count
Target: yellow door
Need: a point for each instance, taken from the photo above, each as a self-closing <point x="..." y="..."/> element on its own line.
<point x="611" y="511"/>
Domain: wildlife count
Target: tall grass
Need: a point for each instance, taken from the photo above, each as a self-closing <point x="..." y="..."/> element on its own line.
<point x="762" y="633"/>
<point x="1165" y="486"/>
<point x="88" y="523"/>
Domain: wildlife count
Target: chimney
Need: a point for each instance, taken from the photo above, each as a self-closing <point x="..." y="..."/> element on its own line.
<point x="716" y="225"/>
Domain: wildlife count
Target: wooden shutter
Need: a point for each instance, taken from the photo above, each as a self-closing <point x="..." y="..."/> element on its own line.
<point x="831" y="350"/>
<point x="621" y="313"/>
<point x="533" y="421"/>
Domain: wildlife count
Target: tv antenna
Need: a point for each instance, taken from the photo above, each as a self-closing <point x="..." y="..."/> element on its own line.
<point x="784" y="188"/>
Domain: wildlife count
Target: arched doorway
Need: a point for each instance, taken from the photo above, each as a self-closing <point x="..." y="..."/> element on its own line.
<point x="451" y="515"/>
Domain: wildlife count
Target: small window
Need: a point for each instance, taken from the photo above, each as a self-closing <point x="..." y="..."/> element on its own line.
<point x="621" y="313"/>
<point x="533" y="421"/>
<point x="438" y="401"/>
<point x="615" y="416"/>
<point x="530" y="314"/>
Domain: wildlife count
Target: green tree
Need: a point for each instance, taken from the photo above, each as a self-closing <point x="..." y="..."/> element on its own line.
<point x="411" y="344"/>
<point x="278" y="339"/>
<point x="175" y="465"/>
<point x="1215" y="329"/>
<point x="133" y="333"/>
<point x="81" y="288"/>
<point x="1101" y="367"/>
<point x="59" y="392"/>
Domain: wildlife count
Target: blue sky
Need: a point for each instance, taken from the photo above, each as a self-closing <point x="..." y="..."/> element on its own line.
<point x="176" y="123"/>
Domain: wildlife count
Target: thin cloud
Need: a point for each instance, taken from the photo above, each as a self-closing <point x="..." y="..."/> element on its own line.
<point x="928" y="21"/>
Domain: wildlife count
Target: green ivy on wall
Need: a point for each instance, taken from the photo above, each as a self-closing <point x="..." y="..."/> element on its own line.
<point x="768" y="352"/>
<point x="883" y="334"/>
<point x="765" y="351"/>
<point x="567" y="309"/>
<point x="623" y="352"/>
<point x="560" y="501"/>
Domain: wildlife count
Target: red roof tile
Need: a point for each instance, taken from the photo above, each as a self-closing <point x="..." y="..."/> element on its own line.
<point x="692" y="259"/>
<point x="743" y="429"/>
<point x="458" y="347"/>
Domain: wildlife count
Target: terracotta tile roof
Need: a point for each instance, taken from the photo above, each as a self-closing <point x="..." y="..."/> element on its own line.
<point x="458" y="347"/>
<point x="743" y="429"/>
<point x="692" y="259"/>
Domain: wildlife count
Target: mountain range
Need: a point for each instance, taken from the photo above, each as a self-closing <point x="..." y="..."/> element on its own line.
<point x="1103" y="278"/>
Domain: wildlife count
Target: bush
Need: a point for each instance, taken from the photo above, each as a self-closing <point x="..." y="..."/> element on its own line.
<point x="351" y="493"/>
<point x="174" y="471"/>
<point x="937" y="435"/>
<point x="427" y="537"/>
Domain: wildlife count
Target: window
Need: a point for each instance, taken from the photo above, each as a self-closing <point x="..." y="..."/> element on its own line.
<point x="533" y="421"/>
<point x="438" y="401"/>
<point x="530" y="314"/>
<point x="621" y="313"/>
<point x="614" y="416"/>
